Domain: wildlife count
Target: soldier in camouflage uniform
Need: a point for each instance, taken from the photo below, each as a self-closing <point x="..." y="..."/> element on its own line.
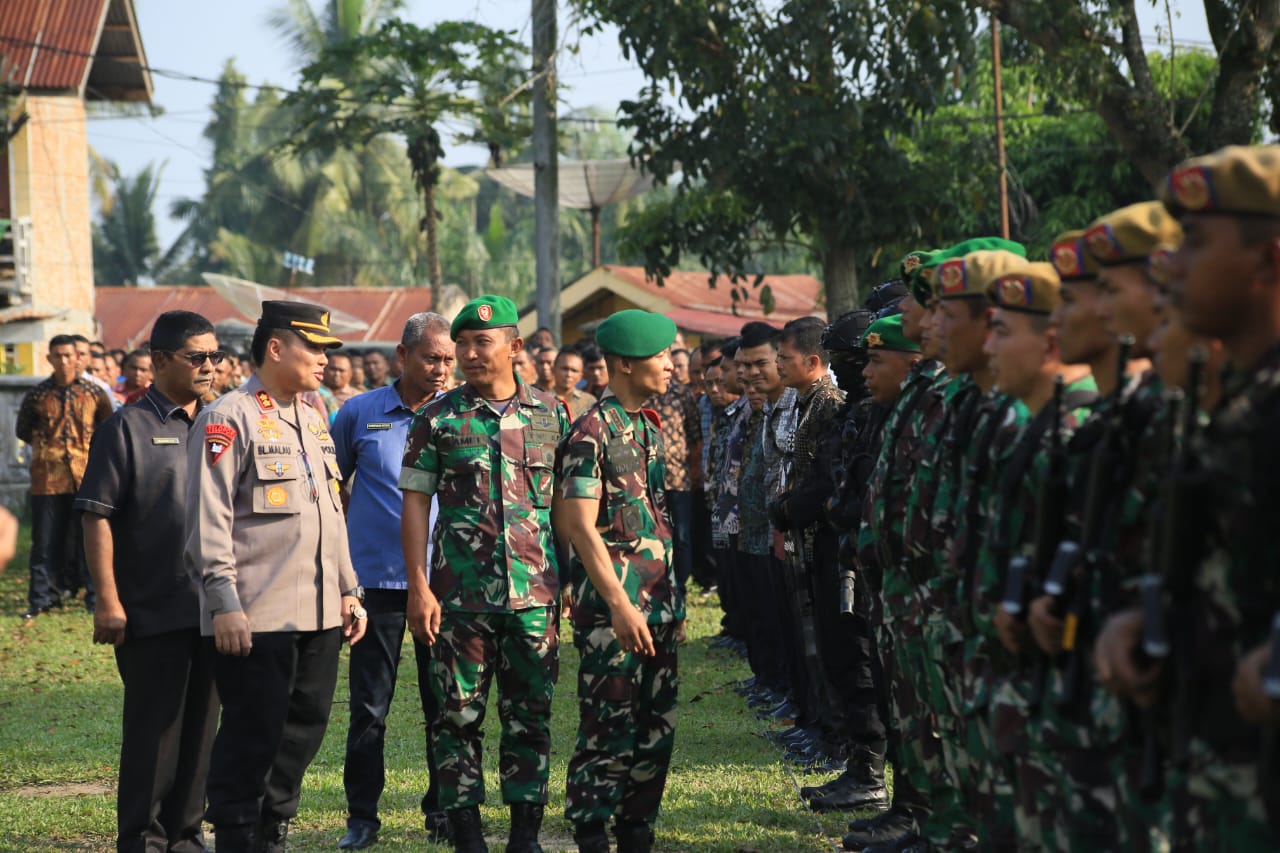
<point x="629" y="614"/>
<point x="1225" y="278"/>
<point x="486" y="450"/>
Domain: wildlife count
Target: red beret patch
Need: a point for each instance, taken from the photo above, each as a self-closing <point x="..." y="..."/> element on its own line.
<point x="951" y="277"/>
<point x="485" y="312"/>
<point x="1066" y="259"/>
<point x="1013" y="290"/>
<point x="1103" y="244"/>
<point x="1191" y="189"/>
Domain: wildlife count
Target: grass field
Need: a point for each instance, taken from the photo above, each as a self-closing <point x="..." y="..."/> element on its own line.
<point x="59" y="743"/>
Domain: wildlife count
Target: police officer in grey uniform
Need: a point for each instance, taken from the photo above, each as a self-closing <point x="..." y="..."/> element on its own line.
<point x="266" y="536"/>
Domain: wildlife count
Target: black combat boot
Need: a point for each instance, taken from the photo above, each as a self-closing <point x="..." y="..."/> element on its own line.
<point x="436" y="824"/>
<point x="235" y="838"/>
<point x="633" y="837"/>
<point x="526" y="820"/>
<point x="273" y="836"/>
<point x="861" y="786"/>
<point x="468" y="834"/>
<point x="882" y="829"/>
<point x="591" y="838"/>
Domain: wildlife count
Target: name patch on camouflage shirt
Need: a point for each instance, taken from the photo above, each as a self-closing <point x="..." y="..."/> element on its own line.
<point x="623" y="458"/>
<point x="453" y="442"/>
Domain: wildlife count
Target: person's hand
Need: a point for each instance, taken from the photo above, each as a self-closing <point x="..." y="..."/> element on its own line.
<point x="681" y="634"/>
<point x="566" y="604"/>
<point x="1254" y="705"/>
<point x="8" y="537"/>
<point x="1116" y="660"/>
<point x="355" y="619"/>
<point x="109" y="622"/>
<point x="231" y="634"/>
<point x="1012" y="632"/>
<point x="423" y="615"/>
<point x="632" y="631"/>
<point x="1046" y="629"/>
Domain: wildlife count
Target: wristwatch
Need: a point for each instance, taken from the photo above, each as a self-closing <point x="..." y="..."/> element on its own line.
<point x="356" y="592"/>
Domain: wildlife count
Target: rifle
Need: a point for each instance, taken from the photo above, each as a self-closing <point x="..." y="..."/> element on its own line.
<point x="1100" y="498"/>
<point x="1051" y="510"/>
<point x="1269" y="769"/>
<point x="848" y="592"/>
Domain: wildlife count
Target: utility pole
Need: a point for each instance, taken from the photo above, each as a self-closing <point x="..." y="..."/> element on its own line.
<point x="1004" y="176"/>
<point x="546" y="162"/>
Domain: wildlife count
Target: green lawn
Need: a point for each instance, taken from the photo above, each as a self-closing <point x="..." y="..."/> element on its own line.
<point x="59" y="740"/>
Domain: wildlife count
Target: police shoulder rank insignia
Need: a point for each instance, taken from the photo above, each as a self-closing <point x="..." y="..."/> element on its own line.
<point x="269" y="429"/>
<point x="217" y="438"/>
<point x="277" y="496"/>
<point x="379" y="425"/>
<point x="264" y="400"/>
<point x="1190" y="188"/>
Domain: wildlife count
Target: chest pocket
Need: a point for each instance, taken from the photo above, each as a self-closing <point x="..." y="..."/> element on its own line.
<point x="539" y="462"/>
<point x="278" y="490"/>
<point x="335" y="482"/>
<point x="624" y="471"/>
<point x="466" y="460"/>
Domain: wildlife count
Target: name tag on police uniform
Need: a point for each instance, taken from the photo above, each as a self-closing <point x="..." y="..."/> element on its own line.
<point x="384" y="425"/>
<point x="166" y="440"/>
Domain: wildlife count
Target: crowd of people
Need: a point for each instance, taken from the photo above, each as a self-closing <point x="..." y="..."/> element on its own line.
<point x="1004" y="529"/>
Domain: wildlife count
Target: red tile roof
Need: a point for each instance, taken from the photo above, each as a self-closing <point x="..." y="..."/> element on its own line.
<point x="125" y="314"/>
<point x="51" y="45"/>
<point x="794" y="295"/>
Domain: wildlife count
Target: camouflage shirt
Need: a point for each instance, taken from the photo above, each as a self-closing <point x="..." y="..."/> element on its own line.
<point x="491" y="467"/>
<point x="615" y="457"/>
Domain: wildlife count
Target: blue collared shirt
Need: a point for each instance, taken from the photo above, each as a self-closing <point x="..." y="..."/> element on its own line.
<point x="370" y="432"/>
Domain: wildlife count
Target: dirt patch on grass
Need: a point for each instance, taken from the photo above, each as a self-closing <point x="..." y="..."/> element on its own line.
<point x="65" y="789"/>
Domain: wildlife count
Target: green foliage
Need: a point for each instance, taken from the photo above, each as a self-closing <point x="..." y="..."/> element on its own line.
<point x="125" y="247"/>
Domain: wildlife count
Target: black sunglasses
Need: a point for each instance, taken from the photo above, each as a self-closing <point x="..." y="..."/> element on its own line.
<point x="198" y="358"/>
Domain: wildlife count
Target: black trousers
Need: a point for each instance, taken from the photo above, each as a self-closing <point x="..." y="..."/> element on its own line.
<point x="764" y="643"/>
<point x="57" y="552"/>
<point x="735" y="622"/>
<point x="706" y="565"/>
<point x="170" y="715"/>
<point x="275" y="707"/>
<point x="375" y="661"/>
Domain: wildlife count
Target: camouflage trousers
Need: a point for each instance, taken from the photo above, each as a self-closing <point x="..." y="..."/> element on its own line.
<point x="522" y="647"/>
<point x="626" y="728"/>
<point x="1216" y="805"/>
<point x="909" y="780"/>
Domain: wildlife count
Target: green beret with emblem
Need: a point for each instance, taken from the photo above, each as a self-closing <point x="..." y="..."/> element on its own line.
<point x="1034" y="288"/>
<point x="912" y="267"/>
<point x="1071" y="258"/>
<point x="1128" y="235"/>
<point x="932" y="270"/>
<point x="486" y="311"/>
<point x="310" y="322"/>
<point x="1239" y="180"/>
<point x="972" y="273"/>
<point x="886" y="334"/>
<point x="635" y="333"/>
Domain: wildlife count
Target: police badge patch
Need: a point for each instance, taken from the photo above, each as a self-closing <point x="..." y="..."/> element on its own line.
<point x="217" y="438"/>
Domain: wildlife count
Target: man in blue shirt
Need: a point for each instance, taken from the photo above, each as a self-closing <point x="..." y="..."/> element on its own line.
<point x="370" y="432"/>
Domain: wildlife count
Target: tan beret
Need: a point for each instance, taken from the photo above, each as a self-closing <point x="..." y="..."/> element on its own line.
<point x="1127" y="235"/>
<point x="1239" y="180"/>
<point x="1071" y="258"/>
<point x="972" y="274"/>
<point x="1033" y="289"/>
<point x="1159" y="264"/>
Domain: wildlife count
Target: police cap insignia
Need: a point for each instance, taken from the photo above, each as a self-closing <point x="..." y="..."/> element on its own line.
<point x="1066" y="259"/>
<point x="1190" y="188"/>
<point x="1102" y="242"/>
<point x="1014" y="290"/>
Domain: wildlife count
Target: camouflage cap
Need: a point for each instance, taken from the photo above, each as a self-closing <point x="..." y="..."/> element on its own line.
<point x="1239" y="180"/>
<point x="486" y="311"/>
<point x="1127" y="235"/>
<point x="311" y="322"/>
<point x="972" y="274"/>
<point x="635" y="333"/>
<point x="1032" y="289"/>
<point x="886" y="334"/>
<point x="1071" y="258"/>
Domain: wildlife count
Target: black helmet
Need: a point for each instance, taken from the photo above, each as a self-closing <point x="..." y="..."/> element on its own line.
<point x="845" y="334"/>
<point x="885" y="297"/>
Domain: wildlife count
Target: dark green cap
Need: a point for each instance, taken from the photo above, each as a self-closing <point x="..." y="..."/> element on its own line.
<point x="635" y="334"/>
<point x="913" y="265"/>
<point x="486" y="311"/>
<point x="886" y="334"/>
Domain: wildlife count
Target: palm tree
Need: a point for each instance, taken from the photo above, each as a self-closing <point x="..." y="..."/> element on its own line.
<point x="309" y="33"/>
<point x="125" y="248"/>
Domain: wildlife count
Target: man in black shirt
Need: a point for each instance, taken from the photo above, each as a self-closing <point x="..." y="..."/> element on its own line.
<point x="148" y="605"/>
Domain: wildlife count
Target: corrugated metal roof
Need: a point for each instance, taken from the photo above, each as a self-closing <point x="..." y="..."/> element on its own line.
<point x="125" y="314"/>
<point x="793" y="295"/>
<point x="49" y="45"/>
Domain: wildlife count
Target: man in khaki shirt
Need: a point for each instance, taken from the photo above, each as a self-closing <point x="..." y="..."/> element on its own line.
<point x="266" y="536"/>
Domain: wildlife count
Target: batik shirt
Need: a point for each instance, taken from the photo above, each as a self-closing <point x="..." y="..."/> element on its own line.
<point x="492" y="468"/>
<point x="682" y="432"/>
<point x="58" y="422"/>
<point x="730" y="432"/>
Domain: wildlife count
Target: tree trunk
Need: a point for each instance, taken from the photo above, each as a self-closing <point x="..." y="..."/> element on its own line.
<point x="424" y="157"/>
<point x="839" y="279"/>
<point x="431" y="223"/>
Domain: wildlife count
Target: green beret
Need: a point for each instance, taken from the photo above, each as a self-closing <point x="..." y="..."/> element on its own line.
<point x="635" y="334"/>
<point x="1128" y="235"/>
<point x="1071" y="259"/>
<point x="912" y="266"/>
<point x="1239" y="180"/>
<point x="972" y="273"/>
<point x="1034" y="288"/>
<point x="486" y="311"/>
<point x="886" y="334"/>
